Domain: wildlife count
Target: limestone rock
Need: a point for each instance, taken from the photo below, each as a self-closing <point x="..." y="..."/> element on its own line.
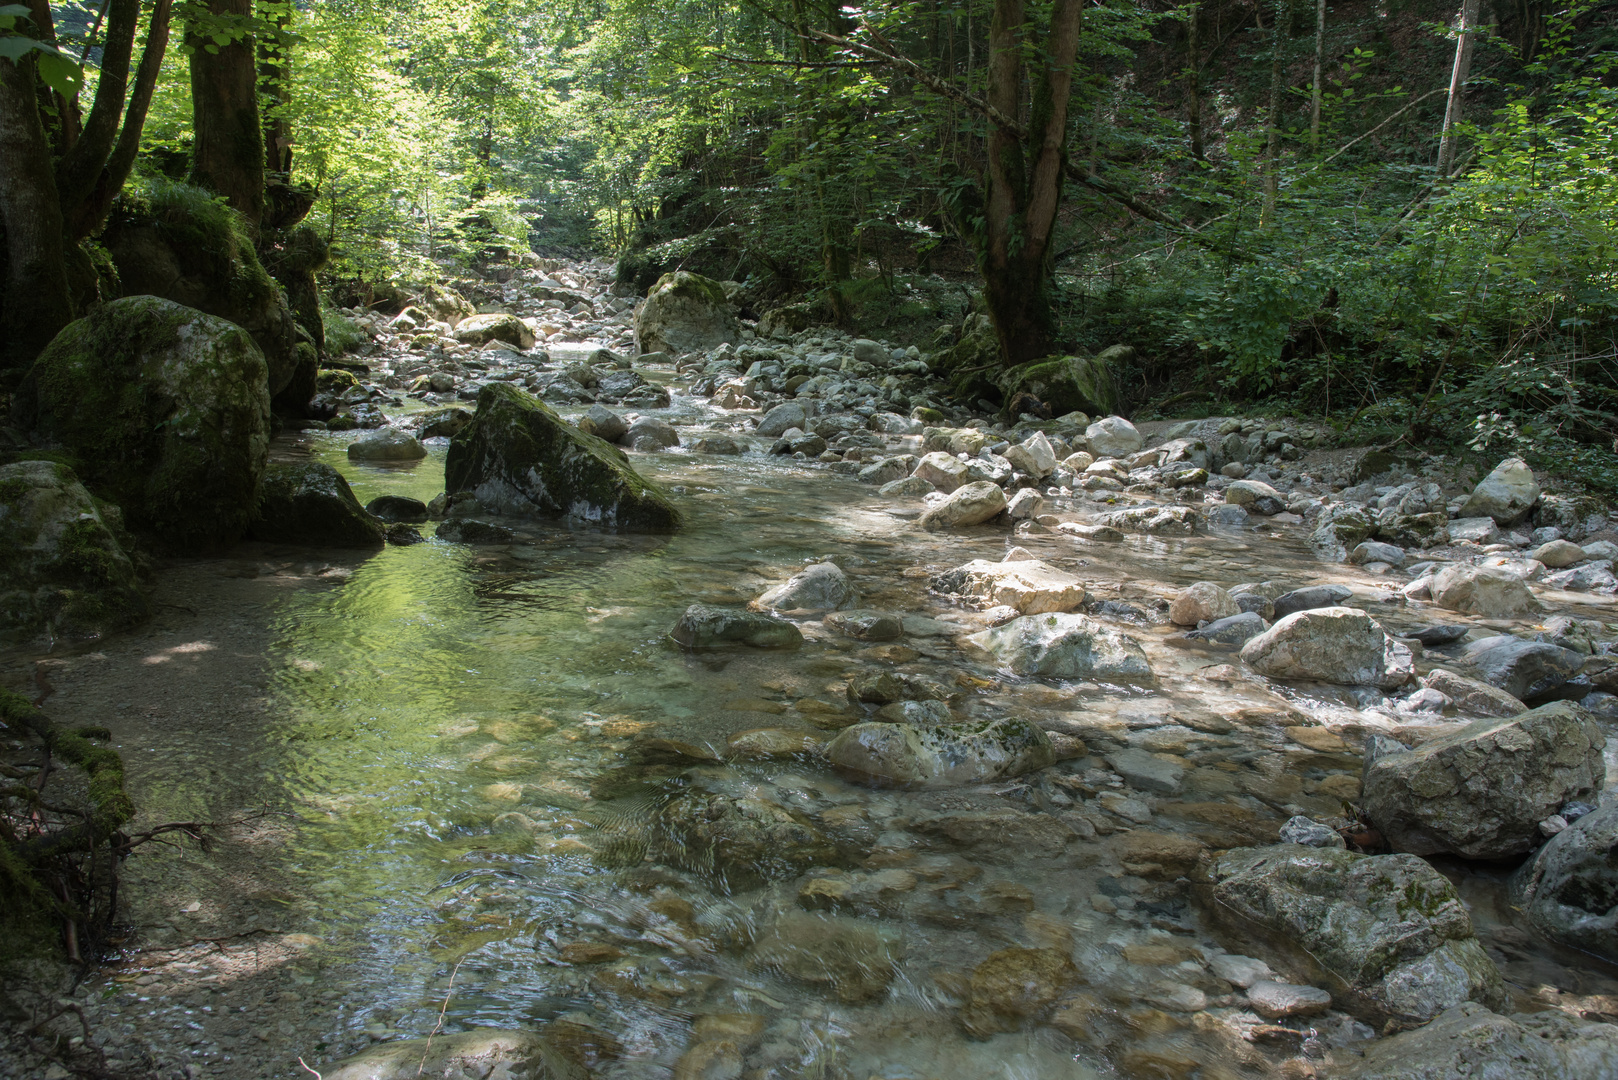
<point x="1470" y="1041"/>
<point x="387" y="444"/>
<point x="819" y="587"/>
<point x="789" y="414"/>
<point x="1472" y="697"/>
<point x="1385" y="934"/>
<point x="1202" y="602"/>
<point x="1030" y="586"/>
<point x="482" y="329"/>
<point x="1336" y="645"/>
<point x="467" y="1055"/>
<point x="1033" y="456"/>
<point x="1064" y="646"/>
<point x="62" y="568"/>
<point x="1247" y="493"/>
<point x="166" y="411"/>
<point x="1568" y="890"/>
<point x="1339" y="528"/>
<point x="1558" y="554"/>
<point x="972" y="504"/>
<point x="942" y="470"/>
<point x="312" y="504"/>
<point x="1153" y="520"/>
<point x="1480" y="590"/>
<point x="518" y="457"/>
<point x="1113" y="437"/>
<point x="1507" y="494"/>
<point x="685" y="312"/>
<point x="1278" y="1001"/>
<point x="704" y="627"/>
<point x="1482" y="791"/>
<point x="1523" y="669"/>
<point x="947" y="755"/>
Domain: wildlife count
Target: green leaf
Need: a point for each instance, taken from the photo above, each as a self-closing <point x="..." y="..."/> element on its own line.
<point x="13" y="48"/>
<point x="60" y="73"/>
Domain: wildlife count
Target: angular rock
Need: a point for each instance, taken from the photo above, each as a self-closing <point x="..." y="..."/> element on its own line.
<point x="1066" y="384"/>
<point x="1507" y="494"/>
<point x="518" y="457"/>
<point x="1339" y="528"/>
<point x="887" y="470"/>
<point x="166" y="411"/>
<point x="947" y="755"/>
<point x="1301" y="830"/>
<point x="1113" y="437"/>
<point x="1030" y="586"/>
<point x="1479" y="590"/>
<point x="311" y="503"/>
<point x="1523" y="669"/>
<point x="943" y="471"/>
<point x="1153" y="520"/>
<point x="972" y="504"/>
<point x="1033" y="456"/>
<point x="1482" y="791"/>
<point x="685" y="312"/>
<point x="1336" y="645"/>
<point x="1064" y="647"/>
<point x="1470" y="1041"/>
<point x="1385" y="934"/>
<point x="1480" y="530"/>
<point x="1472" y="697"/>
<point x="1568" y="891"/>
<point x="1200" y="603"/>
<point x="387" y="444"/>
<point x="62" y="568"/>
<point x="481" y="329"/>
<point x="649" y="435"/>
<point x="865" y="625"/>
<point x="909" y="487"/>
<point x="704" y="627"/>
<point x="818" y="587"/>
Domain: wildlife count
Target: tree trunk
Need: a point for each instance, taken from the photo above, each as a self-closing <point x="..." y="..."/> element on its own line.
<point x="1457" y="81"/>
<point x="36" y="302"/>
<point x="1315" y="92"/>
<point x="228" y="153"/>
<point x="1272" y="145"/>
<point x="1025" y="177"/>
<point x="1193" y="84"/>
<point x="273" y="73"/>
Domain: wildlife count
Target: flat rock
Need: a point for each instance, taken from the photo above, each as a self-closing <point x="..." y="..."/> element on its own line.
<point x="947" y="755"/>
<point x="1064" y="646"/>
<point x="1147" y="772"/>
<point x="1278" y="1001"/>
<point x="1470" y="1041"/>
<point x="704" y="627"/>
<point x="1471" y="697"/>
<point x="1314" y="596"/>
<point x="863" y="624"/>
<point x="1030" y="586"/>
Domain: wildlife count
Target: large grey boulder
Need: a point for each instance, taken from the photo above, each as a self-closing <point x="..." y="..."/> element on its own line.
<point x="62" y="569"/>
<point x="1337" y="645"/>
<point x="1030" y="586"/>
<point x="788" y="414"/>
<point x="311" y="503"/>
<point x="1064" y="646"/>
<point x="972" y="504"/>
<point x="1569" y="890"/>
<point x="705" y="627"/>
<point x="518" y="457"/>
<point x="945" y="755"/>
<point x="1482" y="791"/>
<point x="469" y="1055"/>
<point x="683" y="313"/>
<point x="1523" y="669"/>
<point x="818" y="587"/>
<point x="1340" y="528"/>
<point x="387" y="444"/>
<point x="1469" y="1042"/>
<point x="1482" y="590"/>
<point x="1114" y="437"/>
<point x="1472" y="697"/>
<point x="1385" y="934"/>
<point x="166" y="412"/>
<point x="482" y="329"/>
<point x="1507" y="494"/>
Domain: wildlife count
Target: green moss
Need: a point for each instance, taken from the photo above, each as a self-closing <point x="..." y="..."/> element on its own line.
<point x="336" y="381"/>
<point x="342" y="333"/>
<point x="1066" y="383"/>
<point x="197" y="222"/>
<point x="692" y="287"/>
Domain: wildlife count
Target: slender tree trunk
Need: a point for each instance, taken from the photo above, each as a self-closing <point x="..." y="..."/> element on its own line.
<point x="1315" y="91"/>
<point x="1272" y="145"/>
<point x="273" y="74"/>
<point x="1457" y="82"/>
<point x="228" y="151"/>
<point x="77" y="171"/>
<point x="1193" y="83"/>
<point x="36" y="302"/>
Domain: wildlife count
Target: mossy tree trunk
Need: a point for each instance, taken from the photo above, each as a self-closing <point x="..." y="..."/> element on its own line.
<point x="1025" y="174"/>
<point x="228" y="153"/>
<point x="36" y="303"/>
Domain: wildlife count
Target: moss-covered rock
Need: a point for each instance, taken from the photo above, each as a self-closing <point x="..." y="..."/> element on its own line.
<point x="62" y="569"/>
<point x="685" y="312"/>
<point x="165" y="408"/>
<point x="519" y="457"/>
<point x="180" y="243"/>
<point x="969" y="365"/>
<point x="1065" y="383"/>
<point x="311" y="503"/>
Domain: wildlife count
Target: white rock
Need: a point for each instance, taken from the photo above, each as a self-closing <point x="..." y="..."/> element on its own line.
<point x="1113" y="436"/>
<point x="1030" y="586"/>
<point x="1484" y="591"/>
<point x="1337" y="645"/>
<point x="972" y="504"/>
<point x="1202" y="602"/>
<point x="1507" y="494"/>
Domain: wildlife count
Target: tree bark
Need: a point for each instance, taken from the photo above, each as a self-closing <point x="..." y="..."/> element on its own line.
<point x="1193" y="84"/>
<point x="1272" y="144"/>
<point x="1315" y="91"/>
<point x="36" y="302"/>
<point x="76" y="173"/>
<point x="273" y="73"/>
<point x="1457" y="82"/>
<point x="228" y="151"/>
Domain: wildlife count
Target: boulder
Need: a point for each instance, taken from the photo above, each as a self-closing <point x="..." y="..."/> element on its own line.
<point x="1113" y="437"/>
<point x="62" y="568"/>
<point x="1373" y="551"/>
<point x="1030" y="586"/>
<point x="648" y="434"/>
<point x="945" y="755"/>
<point x="818" y="587"/>
<point x="1482" y="791"/>
<point x="1340" y="528"/>
<point x="1558" y="554"/>
<point x="1523" y="669"/>
<point x="972" y="504"/>
<point x="1200" y="603"/>
<point x="738" y="838"/>
<point x="1482" y="590"/>
<point x="311" y="503"/>
<point x="179" y="243"/>
<point x="704" y="627"/>
<point x="482" y="329"/>
<point x="1248" y="494"/>
<point x="1472" y="697"/>
<point x="606" y="424"/>
<point x="1568" y="891"/>
<point x="439" y="423"/>
<point x="466" y="1055"/>
<point x="1469" y="1041"/>
<point x="1337" y="645"/>
<point x="1066" y="384"/>
<point x="942" y="470"/>
<point x="1386" y="935"/>
<point x="1311" y="598"/>
<point x="1235" y="630"/>
<point x="387" y="444"/>
<point x="684" y="313"/>
<point x="1507" y="494"/>
<point x="518" y="457"/>
<point x="397" y="508"/>
<point x="1064" y="647"/>
<point x="1478" y="530"/>
<point x="1033" y="456"/>
<point x="165" y="409"/>
<point x="789" y="414"/>
<point x="446" y="305"/>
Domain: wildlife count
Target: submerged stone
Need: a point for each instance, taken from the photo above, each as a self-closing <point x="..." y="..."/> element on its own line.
<point x="947" y="755"/>
<point x="704" y="627"/>
<point x="1064" y="646"/>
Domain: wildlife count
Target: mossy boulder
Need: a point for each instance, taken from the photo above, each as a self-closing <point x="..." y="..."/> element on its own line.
<point x="519" y="457"/>
<point x="683" y="313"/>
<point x="166" y="409"/>
<point x="311" y="503"/>
<point x="62" y="567"/>
<point x="177" y="242"/>
<point x="1065" y="383"/>
<point x="969" y="364"/>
